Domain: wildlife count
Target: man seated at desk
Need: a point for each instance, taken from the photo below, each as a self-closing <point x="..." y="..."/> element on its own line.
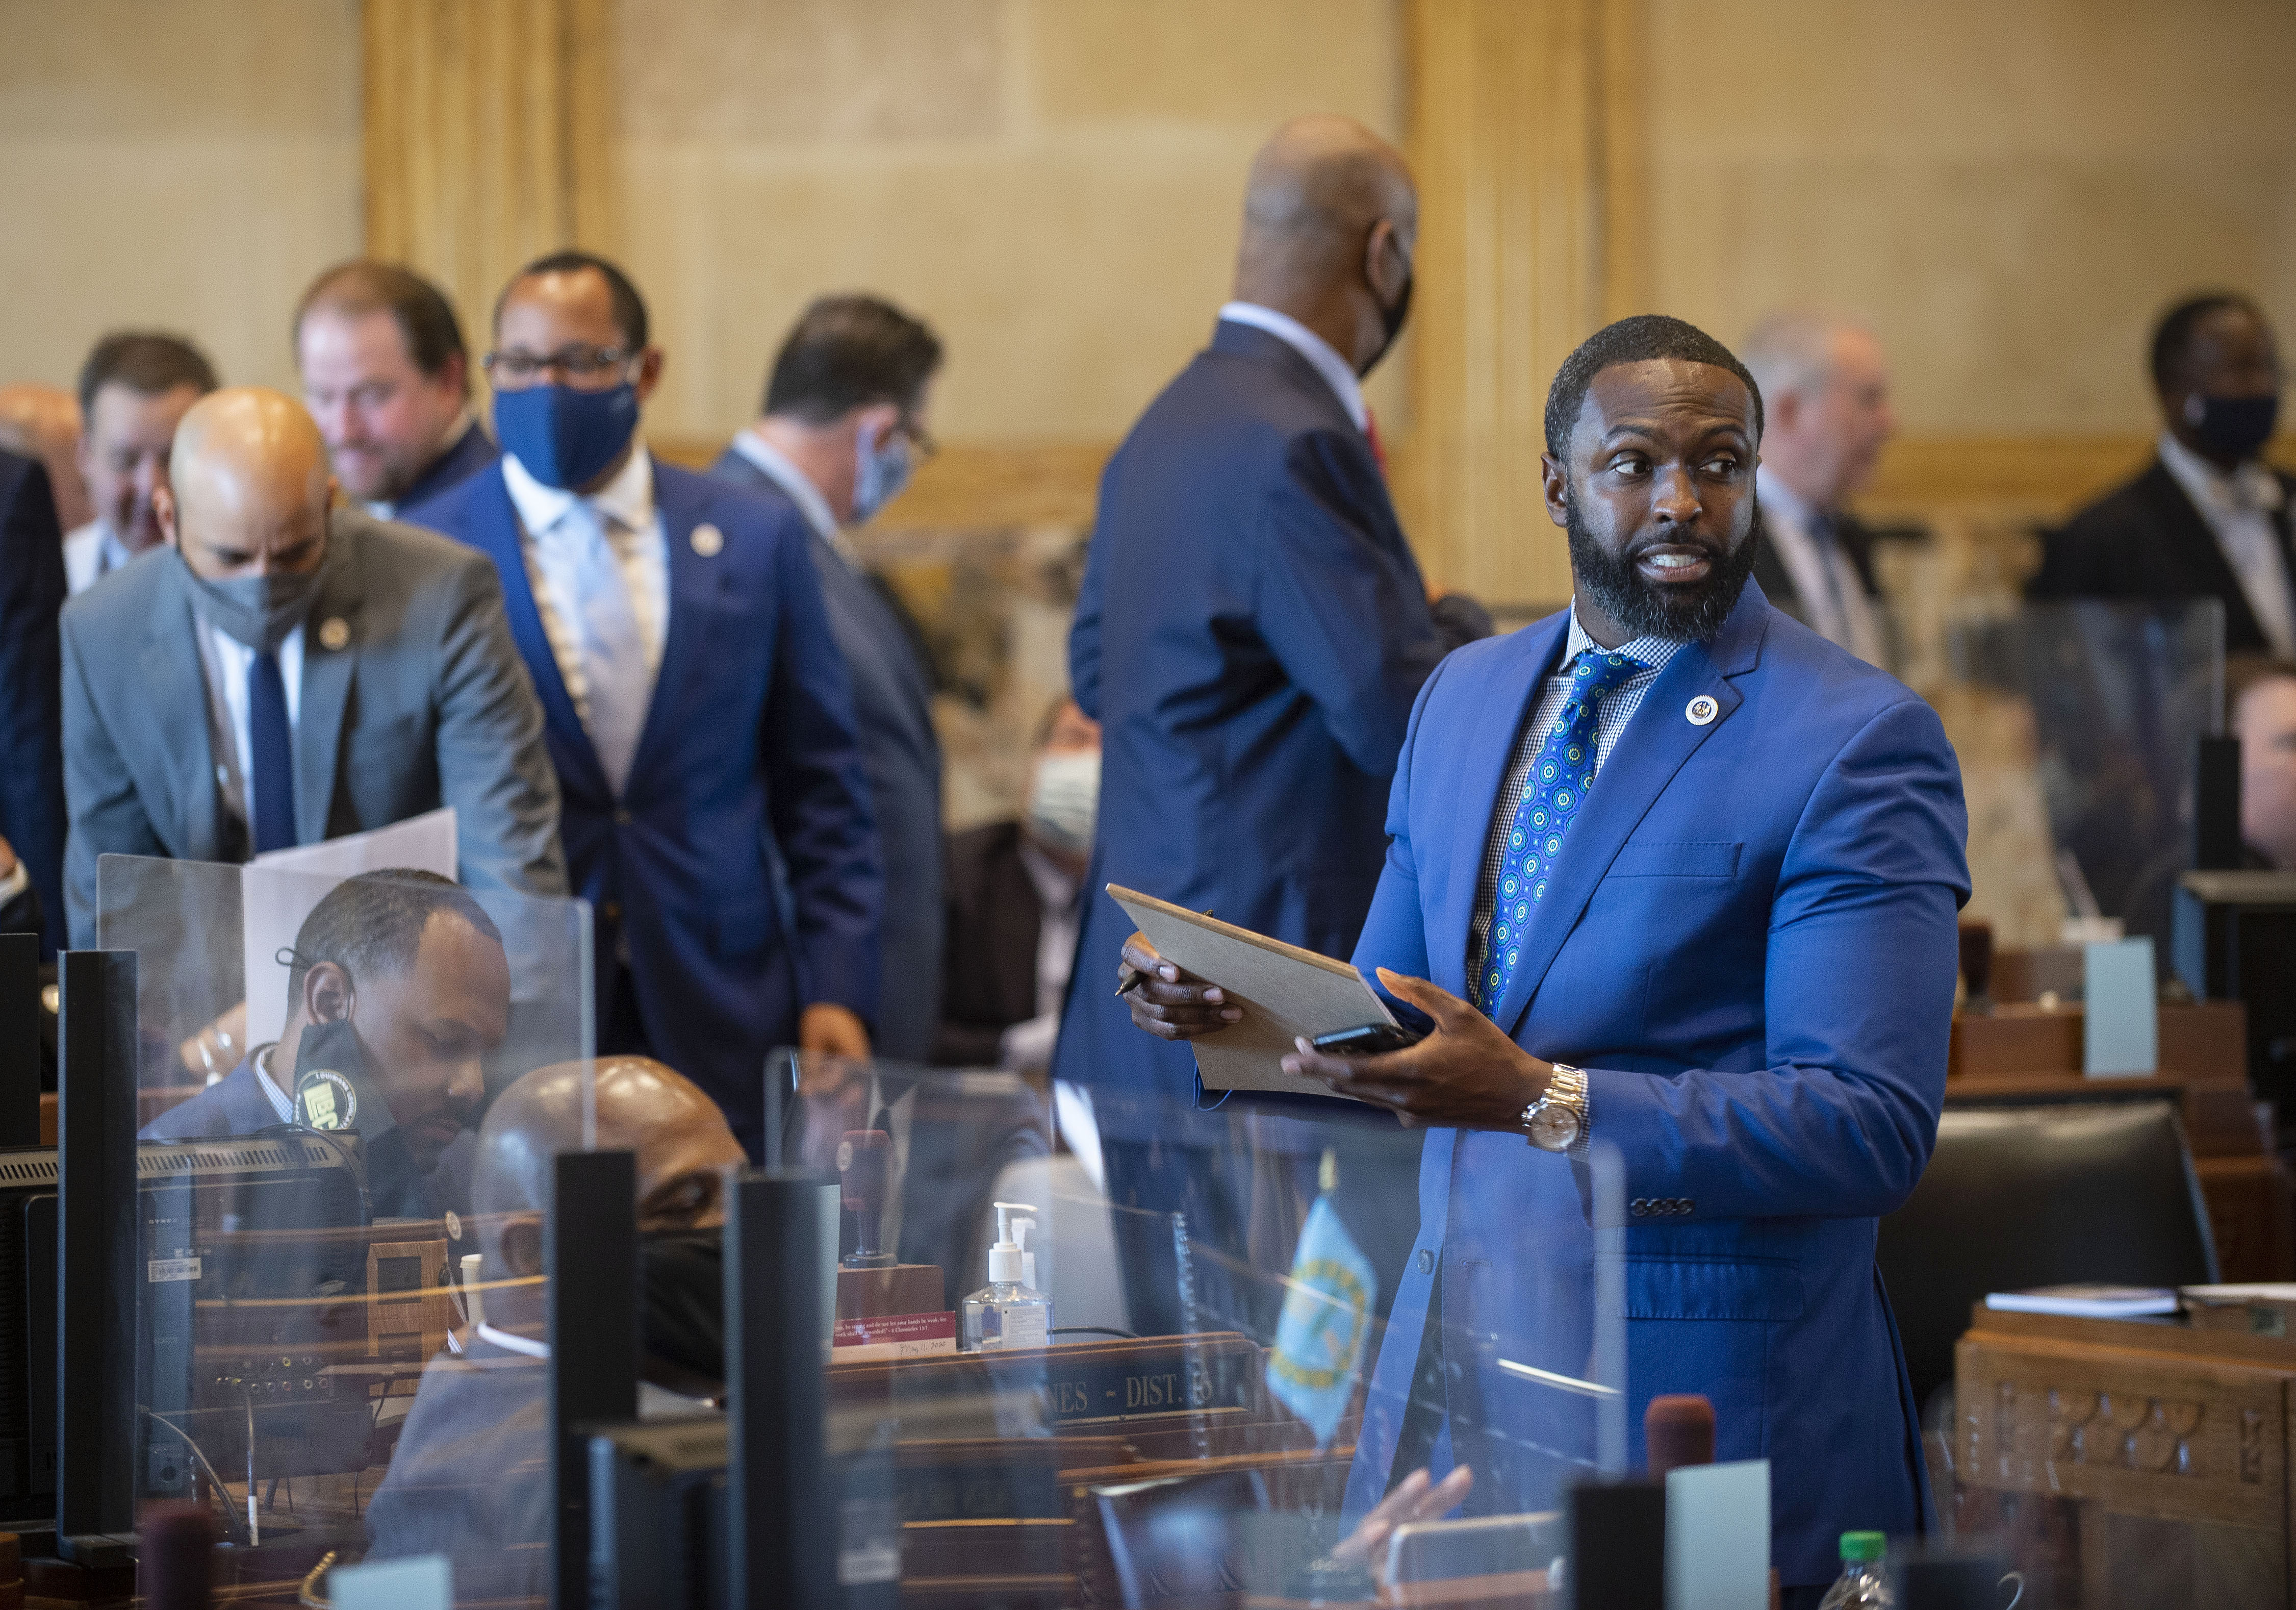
<point x="398" y="988"/>
<point x="471" y="1479"/>
<point x="1012" y="907"/>
<point x="1699" y="907"/>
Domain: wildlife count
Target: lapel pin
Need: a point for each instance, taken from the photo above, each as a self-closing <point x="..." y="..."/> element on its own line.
<point x="1701" y="710"/>
<point x="709" y="541"/>
<point x="334" y="632"/>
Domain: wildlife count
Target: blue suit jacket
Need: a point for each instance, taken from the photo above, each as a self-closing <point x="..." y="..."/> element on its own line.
<point x="473" y="451"/>
<point x="1749" y="944"/>
<point x="892" y="700"/>
<point x="741" y="863"/>
<point x="31" y="666"/>
<point x="1252" y="631"/>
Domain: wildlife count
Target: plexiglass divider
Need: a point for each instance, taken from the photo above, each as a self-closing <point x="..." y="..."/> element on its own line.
<point x="1084" y="1380"/>
<point x="351" y="1096"/>
<point x="1065" y="1352"/>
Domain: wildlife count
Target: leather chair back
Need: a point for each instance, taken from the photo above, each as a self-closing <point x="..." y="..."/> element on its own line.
<point x="2015" y="1198"/>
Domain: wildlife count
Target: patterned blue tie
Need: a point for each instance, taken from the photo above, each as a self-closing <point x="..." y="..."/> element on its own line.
<point x="1559" y="780"/>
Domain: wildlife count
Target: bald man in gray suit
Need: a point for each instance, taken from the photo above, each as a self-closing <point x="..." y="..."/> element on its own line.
<point x="287" y="669"/>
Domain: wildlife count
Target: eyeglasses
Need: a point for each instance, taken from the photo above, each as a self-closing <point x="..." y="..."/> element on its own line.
<point x="577" y="363"/>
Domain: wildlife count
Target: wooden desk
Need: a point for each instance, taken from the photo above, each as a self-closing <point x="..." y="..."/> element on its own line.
<point x="2130" y="1463"/>
<point x="2024" y="1054"/>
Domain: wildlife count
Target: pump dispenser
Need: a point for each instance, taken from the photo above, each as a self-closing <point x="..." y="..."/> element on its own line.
<point x="1009" y="1311"/>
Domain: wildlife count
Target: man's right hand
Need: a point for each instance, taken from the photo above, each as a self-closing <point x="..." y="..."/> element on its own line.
<point x="1170" y="1003"/>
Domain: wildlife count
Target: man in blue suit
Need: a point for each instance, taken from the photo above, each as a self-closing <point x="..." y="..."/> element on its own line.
<point x="843" y="422"/>
<point x="716" y="814"/>
<point x="1699" y="907"/>
<point x="1252" y="631"/>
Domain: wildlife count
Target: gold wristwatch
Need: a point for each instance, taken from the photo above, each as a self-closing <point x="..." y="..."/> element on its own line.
<point x="1556" y="1119"/>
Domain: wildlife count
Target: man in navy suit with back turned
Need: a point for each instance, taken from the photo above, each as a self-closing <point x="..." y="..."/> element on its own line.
<point x="843" y="422"/>
<point x="1252" y="631"/>
<point x="1669" y="873"/>
<point x="716" y="814"/>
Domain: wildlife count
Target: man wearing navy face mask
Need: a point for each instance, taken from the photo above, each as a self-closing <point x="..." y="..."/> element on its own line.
<point x="842" y="426"/>
<point x="698" y="712"/>
<point x="2209" y="519"/>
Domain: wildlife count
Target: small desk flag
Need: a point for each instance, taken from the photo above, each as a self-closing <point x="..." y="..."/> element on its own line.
<point x="1320" y="1336"/>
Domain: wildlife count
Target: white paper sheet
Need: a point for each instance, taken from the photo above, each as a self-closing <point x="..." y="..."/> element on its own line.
<point x="278" y="891"/>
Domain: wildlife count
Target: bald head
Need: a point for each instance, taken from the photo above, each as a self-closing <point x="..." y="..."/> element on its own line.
<point x="680" y="1136"/>
<point x="248" y="488"/>
<point x="1330" y="219"/>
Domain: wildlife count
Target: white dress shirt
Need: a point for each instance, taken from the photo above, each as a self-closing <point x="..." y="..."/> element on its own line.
<point x="1833" y="599"/>
<point x="1335" y="370"/>
<point x="2238" y="508"/>
<point x="802" y="492"/>
<point x="91" y="553"/>
<point x="633" y="526"/>
<point x="225" y="662"/>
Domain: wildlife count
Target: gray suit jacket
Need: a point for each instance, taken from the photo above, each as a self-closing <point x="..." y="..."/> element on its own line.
<point x="892" y="699"/>
<point x="425" y="704"/>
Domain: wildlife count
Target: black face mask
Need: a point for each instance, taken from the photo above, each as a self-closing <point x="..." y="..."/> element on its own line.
<point x="682" y="1286"/>
<point x="333" y="1089"/>
<point x="2237" y="427"/>
<point x="1392" y="319"/>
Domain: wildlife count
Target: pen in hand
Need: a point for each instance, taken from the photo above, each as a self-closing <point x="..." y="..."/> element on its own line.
<point x="1129" y="978"/>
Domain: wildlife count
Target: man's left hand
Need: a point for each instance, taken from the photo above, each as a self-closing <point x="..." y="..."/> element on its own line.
<point x="829" y="1027"/>
<point x="1466" y="1076"/>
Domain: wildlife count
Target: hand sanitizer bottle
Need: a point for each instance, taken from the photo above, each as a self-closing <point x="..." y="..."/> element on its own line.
<point x="1007" y="1311"/>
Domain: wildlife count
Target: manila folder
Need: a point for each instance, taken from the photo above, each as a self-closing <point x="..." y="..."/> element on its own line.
<point x="1284" y="991"/>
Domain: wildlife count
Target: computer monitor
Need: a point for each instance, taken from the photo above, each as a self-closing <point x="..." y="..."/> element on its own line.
<point x="2235" y="940"/>
<point x="252" y="1310"/>
<point x="27" y="1335"/>
<point x="658" y="1538"/>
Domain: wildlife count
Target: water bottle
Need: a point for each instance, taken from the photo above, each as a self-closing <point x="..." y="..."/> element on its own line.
<point x="1861" y="1585"/>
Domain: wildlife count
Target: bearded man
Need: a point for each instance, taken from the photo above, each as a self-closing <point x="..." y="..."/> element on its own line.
<point x="1668" y="872"/>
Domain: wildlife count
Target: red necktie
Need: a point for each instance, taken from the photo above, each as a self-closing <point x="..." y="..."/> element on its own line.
<point x="1371" y="435"/>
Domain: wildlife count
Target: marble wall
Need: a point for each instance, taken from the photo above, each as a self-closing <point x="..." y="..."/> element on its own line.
<point x="2010" y="193"/>
<point x="187" y="164"/>
<point x="1054" y="185"/>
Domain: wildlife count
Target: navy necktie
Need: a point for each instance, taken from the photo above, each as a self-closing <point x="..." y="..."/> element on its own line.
<point x="271" y="744"/>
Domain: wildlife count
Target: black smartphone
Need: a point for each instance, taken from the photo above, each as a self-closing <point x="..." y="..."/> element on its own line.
<point x="1369" y="1040"/>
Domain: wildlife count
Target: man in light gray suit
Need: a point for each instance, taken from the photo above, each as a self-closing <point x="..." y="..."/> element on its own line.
<point x="286" y="670"/>
<point x="843" y="424"/>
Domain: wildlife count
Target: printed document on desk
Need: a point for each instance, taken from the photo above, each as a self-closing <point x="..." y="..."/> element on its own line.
<point x="1285" y="993"/>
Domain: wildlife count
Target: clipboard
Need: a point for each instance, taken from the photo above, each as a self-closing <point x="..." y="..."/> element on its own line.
<point x="1285" y="993"/>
